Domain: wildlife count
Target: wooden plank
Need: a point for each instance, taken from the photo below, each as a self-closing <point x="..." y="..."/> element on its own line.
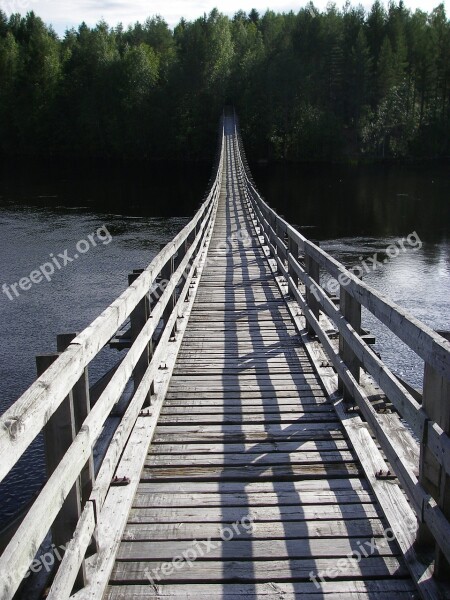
<point x="378" y="589"/>
<point x="294" y="411"/>
<point x="146" y="498"/>
<point x="236" y="418"/>
<point x="138" y="318"/>
<point x="290" y="471"/>
<point x="249" y="433"/>
<point x="245" y="449"/>
<point x="256" y="487"/>
<point x="74" y="554"/>
<point x="250" y="395"/>
<point x="271" y="458"/>
<point x="434" y="479"/>
<point x="291" y="549"/>
<point x="295" y="402"/>
<point x="247" y="571"/>
<point x="242" y="384"/>
<point x="265" y="530"/>
<point x="81" y="402"/>
<point x="351" y="310"/>
<point x="280" y="378"/>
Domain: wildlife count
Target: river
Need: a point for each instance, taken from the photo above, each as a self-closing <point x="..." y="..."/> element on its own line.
<point x="123" y="215"/>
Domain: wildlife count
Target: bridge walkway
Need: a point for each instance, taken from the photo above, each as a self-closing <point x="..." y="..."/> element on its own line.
<point x="251" y="487"/>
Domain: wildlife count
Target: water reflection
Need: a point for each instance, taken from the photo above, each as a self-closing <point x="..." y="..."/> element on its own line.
<point x="372" y="201"/>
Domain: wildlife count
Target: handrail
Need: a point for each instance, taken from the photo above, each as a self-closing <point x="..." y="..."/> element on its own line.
<point x="431" y="428"/>
<point x="24" y="420"/>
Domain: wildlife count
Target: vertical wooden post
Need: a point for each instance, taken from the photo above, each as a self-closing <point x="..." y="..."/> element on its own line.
<point x="271" y="252"/>
<point x="351" y="310"/>
<point x="436" y="404"/>
<point x="81" y="409"/>
<point x="166" y="274"/>
<point x="138" y="319"/>
<point x="59" y="434"/>
<point x="293" y="249"/>
<point x="313" y="270"/>
<point x="278" y="237"/>
<point x="182" y="251"/>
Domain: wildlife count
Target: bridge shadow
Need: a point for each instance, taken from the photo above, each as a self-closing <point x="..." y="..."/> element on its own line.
<point x="290" y="467"/>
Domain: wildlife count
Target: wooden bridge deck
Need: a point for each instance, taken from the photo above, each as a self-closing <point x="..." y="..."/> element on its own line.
<point x="240" y="450"/>
<point x="247" y="434"/>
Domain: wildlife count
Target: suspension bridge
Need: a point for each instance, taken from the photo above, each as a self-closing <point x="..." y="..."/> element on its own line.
<point x="249" y="443"/>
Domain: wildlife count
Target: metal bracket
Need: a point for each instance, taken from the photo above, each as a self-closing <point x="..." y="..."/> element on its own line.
<point x="120" y="481"/>
<point x="385" y="474"/>
<point x="146" y="412"/>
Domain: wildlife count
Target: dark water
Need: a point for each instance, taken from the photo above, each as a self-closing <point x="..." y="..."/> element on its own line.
<point x="44" y="211"/>
<point x="401" y="214"/>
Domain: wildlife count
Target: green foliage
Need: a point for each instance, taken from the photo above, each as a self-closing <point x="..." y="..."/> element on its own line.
<point x="307" y="86"/>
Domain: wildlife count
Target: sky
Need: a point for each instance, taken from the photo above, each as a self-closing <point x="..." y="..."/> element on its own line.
<point x="63" y="14"/>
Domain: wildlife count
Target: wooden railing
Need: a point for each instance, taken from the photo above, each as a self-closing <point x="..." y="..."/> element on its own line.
<point x="300" y="260"/>
<point x="71" y="501"/>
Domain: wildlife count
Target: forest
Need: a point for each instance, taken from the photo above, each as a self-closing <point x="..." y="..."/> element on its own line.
<point x="342" y="84"/>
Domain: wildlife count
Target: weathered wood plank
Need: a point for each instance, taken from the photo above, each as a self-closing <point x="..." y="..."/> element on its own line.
<point x="271" y="458"/>
<point x="247" y="433"/>
<point x="236" y="418"/>
<point x="146" y="498"/>
<point x="256" y="487"/>
<point x="378" y="589"/>
<point x="230" y="448"/>
<point x="291" y="549"/>
<point x="247" y="571"/>
<point x="266" y="530"/>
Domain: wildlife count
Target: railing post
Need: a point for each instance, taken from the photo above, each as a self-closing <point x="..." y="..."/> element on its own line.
<point x="271" y="234"/>
<point x="432" y="476"/>
<point x="182" y="251"/>
<point x="59" y="434"/>
<point x="293" y="250"/>
<point x="166" y="275"/>
<point x="351" y="311"/>
<point x="81" y="409"/>
<point x="278" y="237"/>
<point x="138" y="319"/>
<point x="313" y="269"/>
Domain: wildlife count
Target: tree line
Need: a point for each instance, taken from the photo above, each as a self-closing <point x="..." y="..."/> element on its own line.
<point x="337" y="84"/>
